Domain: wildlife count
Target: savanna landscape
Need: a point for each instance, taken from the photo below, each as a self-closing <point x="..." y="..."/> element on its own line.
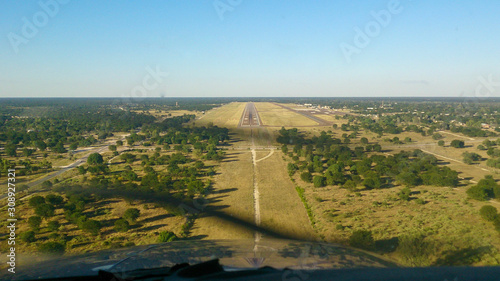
<point x="413" y="181"/>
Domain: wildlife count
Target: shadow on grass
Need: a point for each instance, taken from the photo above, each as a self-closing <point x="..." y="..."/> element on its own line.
<point x="466" y="256"/>
<point x="224" y="190"/>
<point x="196" y="237"/>
<point x="155" y="218"/>
<point x="151" y="228"/>
<point x="386" y="246"/>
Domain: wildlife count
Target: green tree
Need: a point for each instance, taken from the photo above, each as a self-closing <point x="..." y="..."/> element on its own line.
<point x="59" y="148"/>
<point x="28" y="236"/>
<point x="52" y="247"/>
<point x="82" y="170"/>
<point x="122" y="225"/>
<point x="11" y="150"/>
<point x="53" y="225"/>
<point x="95" y="159"/>
<point x="91" y="226"/>
<point x="47" y="184"/>
<point x="350" y="185"/>
<point x="471" y="157"/>
<point x="372" y="181"/>
<point x="131" y="214"/>
<point x="404" y="194"/>
<point x="457" y="144"/>
<point x="478" y="193"/>
<point x="73" y="146"/>
<point x="441" y="143"/>
<point x="28" y="152"/>
<point x="40" y="144"/>
<point x="485" y="189"/>
<point x="54" y="199"/>
<point x="128" y="157"/>
<point x="34" y="223"/>
<point x="362" y="239"/>
<point x="437" y="136"/>
<point x="150" y="180"/>
<point x="319" y="181"/>
<point x="45" y="210"/>
<point x="306" y="176"/>
<point x="284" y="148"/>
<point x="414" y="249"/>
<point x="488" y="212"/>
<point x="36" y="200"/>
<point x="166" y="236"/>
<point x="408" y="179"/>
<point x="112" y="147"/>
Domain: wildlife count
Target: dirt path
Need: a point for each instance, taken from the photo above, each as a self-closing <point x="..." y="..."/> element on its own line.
<point x="256" y="196"/>
<point x="264" y="158"/>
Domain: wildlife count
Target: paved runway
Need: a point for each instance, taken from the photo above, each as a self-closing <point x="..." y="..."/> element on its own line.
<point x="250" y="117"/>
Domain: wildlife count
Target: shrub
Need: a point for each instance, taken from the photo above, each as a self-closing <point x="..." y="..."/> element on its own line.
<point x="457" y="144"/>
<point x="404" y="194"/>
<point x="28" y="236"/>
<point x="485" y="189"/>
<point x="420" y="201"/>
<point x="34" y="222"/>
<point x="292" y="168"/>
<point x="46" y="184"/>
<point x="54" y="199"/>
<point x="319" y="181"/>
<point x="437" y="136"/>
<point x="470" y="157"/>
<point x="441" y="143"/>
<point x="478" y="193"/>
<point x="496" y="223"/>
<point x="488" y="212"/>
<point x="166" y="236"/>
<point x="95" y="159"/>
<point x="52" y="247"/>
<point x="82" y="170"/>
<point x="45" y="210"/>
<point x="350" y="185"/>
<point x="122" y="225"/>
<point x="131" y="214"/>
<point x="362" y="239"/>
<point x="414" y="249"/>
<point x="36" y="200"/>
<point x="91" y="226"/>
<point x="306" y="176"/>
<point x="53" y="225"/>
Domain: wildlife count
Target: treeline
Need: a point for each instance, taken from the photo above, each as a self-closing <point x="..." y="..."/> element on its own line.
<point x="324" y="160"/>
<point x="66" y="126"/>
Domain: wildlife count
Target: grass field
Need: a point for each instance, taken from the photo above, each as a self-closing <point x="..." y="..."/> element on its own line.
<point x="227" y="116"/>
<point x="232" y="195"/>
<point x="449" y="221"/>
<point x="273" y="115"/>
<point x="281" y="208"/>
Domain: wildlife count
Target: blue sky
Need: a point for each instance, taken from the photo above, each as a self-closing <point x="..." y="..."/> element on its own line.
<point x="248" y="48"/>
